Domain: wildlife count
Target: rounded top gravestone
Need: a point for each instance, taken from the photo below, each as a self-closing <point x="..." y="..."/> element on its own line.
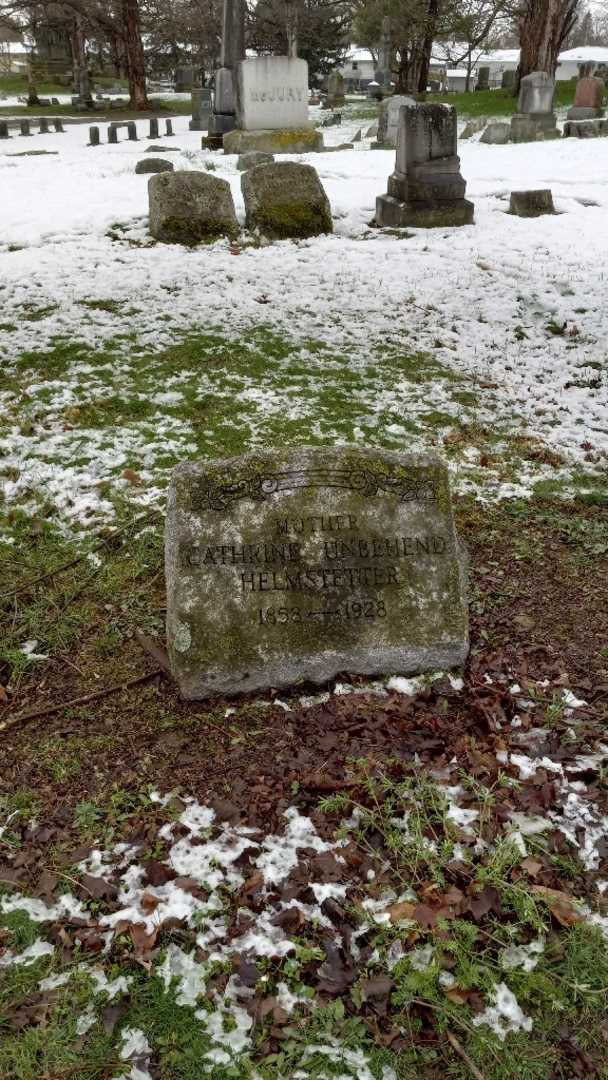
<point x="296" y="565"/>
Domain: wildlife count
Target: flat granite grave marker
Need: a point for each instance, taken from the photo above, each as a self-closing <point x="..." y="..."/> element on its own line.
<point x="296" y="565"/>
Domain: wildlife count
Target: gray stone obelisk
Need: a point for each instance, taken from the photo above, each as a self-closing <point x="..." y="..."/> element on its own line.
<point x="223" y="117"/>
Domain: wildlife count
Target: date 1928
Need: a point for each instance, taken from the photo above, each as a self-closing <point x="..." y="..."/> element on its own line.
<point x="355" y="609"/>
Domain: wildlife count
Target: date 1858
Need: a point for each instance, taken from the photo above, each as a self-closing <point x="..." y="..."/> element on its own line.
<point x="355" y="609"/>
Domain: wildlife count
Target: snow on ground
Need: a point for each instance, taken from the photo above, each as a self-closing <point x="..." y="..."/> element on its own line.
<point x="515" y="306"/>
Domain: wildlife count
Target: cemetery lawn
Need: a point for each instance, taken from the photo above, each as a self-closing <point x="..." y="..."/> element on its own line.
<point x="492" y="103"/>
<point x="423" y="892"/>
<point x="472" y="817"/>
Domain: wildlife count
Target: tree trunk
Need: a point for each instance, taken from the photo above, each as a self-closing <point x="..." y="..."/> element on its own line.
<point x="543" y="28"/>
<point x="134" y="54"/>
<point x="426" y="48"/>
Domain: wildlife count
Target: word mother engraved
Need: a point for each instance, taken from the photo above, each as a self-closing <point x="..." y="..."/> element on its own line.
<point x="292" y="566"/>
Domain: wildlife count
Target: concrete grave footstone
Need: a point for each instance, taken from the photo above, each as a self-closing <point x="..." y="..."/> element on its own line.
<point x="531" y="203"/>
<point x="153" y="132"/>
<point x="190" y="208"/>
<point x="58" y="124"/>
<point x="4" y="130"/>
<point x="426" y="189"/>
<point x="132" y="131"/>
<point x="284" y="566"/>
<point x="25" y="127"/>
<point x="112" y="134"/>
<point x="93" y="136"/>
<point x="388" y="118"/>
<point x="253" y="157"/>
<point x="588" y="99"/>
<point x="43" y="125"/>
<point x="497" y="134"/>
<point x="153" y="165"/>
<point x="535" y="116"/>
<point x="285" y="200"/>
<point x="168" y="128"/>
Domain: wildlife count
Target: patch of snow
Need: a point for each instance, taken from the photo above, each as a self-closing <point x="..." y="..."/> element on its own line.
<point x="28" y="956"/>
<point x="504" y="1015"/>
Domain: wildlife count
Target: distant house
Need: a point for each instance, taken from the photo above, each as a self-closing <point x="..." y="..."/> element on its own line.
<point x="571" y="61"/>
<point x="358" y="69"/>
<point x="13" y="52"/>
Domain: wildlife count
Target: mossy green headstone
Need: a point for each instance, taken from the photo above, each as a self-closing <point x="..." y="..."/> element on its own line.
<point x="295" y="565"/>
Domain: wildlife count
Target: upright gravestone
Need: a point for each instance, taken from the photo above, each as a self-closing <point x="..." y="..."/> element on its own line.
<point x="112" y="134"/>
<point x="25" y="127"/>
<point x="168" y="128"/>
<point x="296" y="565"/>
<point x="4" y="130"/>
<point x="426" y="189"/>
<point x="201" y="109"/>
<point x="132" y="131"/>
<point x="588" y="100"/>
<point x="272" y="114"/>
<point x="94" y="136"/>
<point x="153" y="132"/>
<point x="483" y="79"/>
<point x="335" y="91"/>
<point x="507" y="81"/>
<point x="382" y="74"/>
<point x="58" y="124"/>
<point x="223" y="118"/>
<point x="43" y="125"/>
<point x="388" y="118"/>
<point x="535" y="117"/>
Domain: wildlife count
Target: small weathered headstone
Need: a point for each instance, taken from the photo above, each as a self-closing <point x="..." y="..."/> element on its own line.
<point x="251" y="158"/>
<point x="531" y="203"/>
<point x="190" y="207"/>
<point x="297" y="565"/>
<point x="112" y="134"/>
<point x="93" y="136"/>
<point x="43" y="125"/>
<point x="388" y="118"/>
<point x="153" y="132"/>
<point x="201" y="105"/>
<point x="153" y="165"/>
<point x="507" y="81"/>
<point x="588" y="100"/>
<point x="497" y="134"/>
<point x="426" y="189"/>
<point x="335" y="91"/>
<point x="58" y="124"/>
<point x="25" y="127"/>
<point x="132" y="131"/>
<point x="168" y="128"/>
<point x="483" y="79"/>
<point x="4" y="130"/>
<point x="285" y="201"/>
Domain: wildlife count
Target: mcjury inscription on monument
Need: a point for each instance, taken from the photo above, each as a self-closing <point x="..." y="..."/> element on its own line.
<point x="283" y="567"/>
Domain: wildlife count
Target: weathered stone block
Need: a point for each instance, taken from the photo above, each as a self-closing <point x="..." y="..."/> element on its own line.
<point x="190" y="207"/>
<point x="253" y="157"/>
<point x="497" y="134"/>
<point x="583" y="112"/>
<point x="531" y="203"/>
<point x="301" y="141"/>
<point x="296" y="565"/>
<point x="285" y="200"/>
<point x="153" y="165"/>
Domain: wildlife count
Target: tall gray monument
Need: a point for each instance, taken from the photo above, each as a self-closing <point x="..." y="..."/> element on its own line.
<point x="382" y="75"/>
<point x="223" y="117"/>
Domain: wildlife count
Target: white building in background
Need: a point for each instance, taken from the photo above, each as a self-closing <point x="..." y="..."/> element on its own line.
<point x="358" y="68"/>
<point x="13" y="54"/>
<point x="571" y="60"/>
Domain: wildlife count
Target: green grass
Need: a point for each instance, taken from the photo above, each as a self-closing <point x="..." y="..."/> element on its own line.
<point x="499" y="102"/>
